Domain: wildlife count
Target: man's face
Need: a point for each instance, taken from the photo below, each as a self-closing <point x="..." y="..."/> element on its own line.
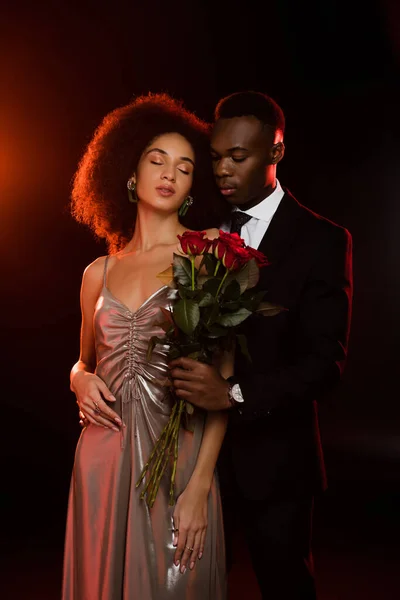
<point x="241" y="153"/>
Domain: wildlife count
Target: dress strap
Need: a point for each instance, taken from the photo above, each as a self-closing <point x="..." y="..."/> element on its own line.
<point x="105" y="271"/>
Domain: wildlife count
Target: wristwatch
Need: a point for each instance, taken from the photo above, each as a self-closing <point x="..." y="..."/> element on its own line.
<point x="235" y="393"/>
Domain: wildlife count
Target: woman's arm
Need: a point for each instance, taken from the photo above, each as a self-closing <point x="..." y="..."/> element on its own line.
<point x="88" y="388"/>
<point x="190" y="515"/>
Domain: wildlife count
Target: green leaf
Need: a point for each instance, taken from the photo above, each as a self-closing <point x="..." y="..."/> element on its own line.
<point x="187" y="422"/>
<point x="211" y="314"/>
<point x="186" y="315"/>
<point x="187" y="292"/>
<point x="190" y="348"/>
<point x="232" y="290"/>
<point x="211" y="286"/>
<point x="247" y="277"/>
<point x="215" y="331"/>
<point x="164" y="325"/>
<point x="182" y="268"/>
<point x="233" y="305"/>
<point x="253" y="273"/>
<point x="202" y="279"/>
<point x="233" y="319"/>
<point x="174" y="352"/>
<point x="189" y="408"/>
<point x="253" y="300"/>
<point x="206" y="300"/>
<point x="210" y="262"/>
<point x="153" y="341"/>
<point x="267" y="309"/>
<point x="242" y="341"/>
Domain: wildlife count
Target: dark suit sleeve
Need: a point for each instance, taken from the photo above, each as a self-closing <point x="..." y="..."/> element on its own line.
<point x="321" y="327"/>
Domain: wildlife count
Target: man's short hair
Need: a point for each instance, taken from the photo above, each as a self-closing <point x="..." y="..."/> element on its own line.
<point x="255" y="104"/>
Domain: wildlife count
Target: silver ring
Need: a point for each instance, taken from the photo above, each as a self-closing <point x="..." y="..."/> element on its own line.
<point x="191" y="549"/>
<point x="96" y="408"/>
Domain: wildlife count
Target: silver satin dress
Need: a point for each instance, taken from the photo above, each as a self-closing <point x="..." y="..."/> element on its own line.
<point x="116" y="548"/>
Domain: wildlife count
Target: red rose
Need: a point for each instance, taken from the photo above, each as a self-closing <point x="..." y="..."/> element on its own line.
<point x="224" y="241"/>
<point x="194" y="243"/>
<point x="230" y="251"/>
<point x="235" y="257"/>
<point x="259" y="257"/>
<point x="232" y="239"/>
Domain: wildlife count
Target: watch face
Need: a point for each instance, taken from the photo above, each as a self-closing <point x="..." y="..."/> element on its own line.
<point x="237" y="393"/>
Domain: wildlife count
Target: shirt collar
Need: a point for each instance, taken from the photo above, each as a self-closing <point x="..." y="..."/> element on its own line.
<point x="265" y="210"/>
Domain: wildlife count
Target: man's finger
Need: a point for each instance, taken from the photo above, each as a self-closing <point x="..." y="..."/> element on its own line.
<point x="184" y="363"/>
<point x="185" y="394"/>
<point x="185" y="374"/>
<point x="189" y="386"/>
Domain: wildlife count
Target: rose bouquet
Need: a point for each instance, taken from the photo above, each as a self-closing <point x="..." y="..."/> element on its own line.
<point x="215" y="281"/>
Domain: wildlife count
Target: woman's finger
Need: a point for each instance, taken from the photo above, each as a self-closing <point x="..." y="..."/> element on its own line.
<point x="182" y="534"/>
<point x="196" y="550"/>
<point x="106" y="392"/>
<point x="93" y="403"/>
<point x="99" y="406"/>
<point x="187" y="551"/>
<point x="202" y="542"/>
<point x="91" y="420"/>
<point x="175" y="530"/>
<point x="99" y="419"/>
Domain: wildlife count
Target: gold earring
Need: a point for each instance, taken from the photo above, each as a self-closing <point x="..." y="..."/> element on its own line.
<point x="131" y="185"/>
<point x="185" y="206"/>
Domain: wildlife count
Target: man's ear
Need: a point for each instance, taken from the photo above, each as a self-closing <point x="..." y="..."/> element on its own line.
<point x="277" y="152"/>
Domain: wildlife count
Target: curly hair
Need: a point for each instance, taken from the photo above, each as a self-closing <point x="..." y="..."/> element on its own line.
<point x="99" y="195"/>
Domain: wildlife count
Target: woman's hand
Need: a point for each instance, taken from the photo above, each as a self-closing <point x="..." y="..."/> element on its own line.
<point x="190" y="522"/>
<point x="90" y="390"/>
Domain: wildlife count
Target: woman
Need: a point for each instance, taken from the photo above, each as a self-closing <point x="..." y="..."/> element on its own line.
<point x="117" y="548"/>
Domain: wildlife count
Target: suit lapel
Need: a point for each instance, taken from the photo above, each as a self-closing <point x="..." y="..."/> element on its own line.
<point x="280" y="236"/>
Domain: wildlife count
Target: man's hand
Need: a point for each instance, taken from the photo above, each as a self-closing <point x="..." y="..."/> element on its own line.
<point x="200" y="384"/>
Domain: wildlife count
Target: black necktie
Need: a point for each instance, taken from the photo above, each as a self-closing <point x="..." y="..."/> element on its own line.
<point x="238" y="219"/>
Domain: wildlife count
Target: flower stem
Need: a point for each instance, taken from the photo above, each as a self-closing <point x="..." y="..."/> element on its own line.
<point x="192" y="258"/>
<point x="176" y="445"/>
<point x="217" y="267"/>
<point x="222" y="282"/>
<point x="166" y="445"/>
<point x="157" y="450"/>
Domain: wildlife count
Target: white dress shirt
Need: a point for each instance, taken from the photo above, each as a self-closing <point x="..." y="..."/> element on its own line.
<point x="261" y="215"/>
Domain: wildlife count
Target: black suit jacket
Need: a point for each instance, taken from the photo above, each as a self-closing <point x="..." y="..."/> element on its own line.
<point x="272" y="447"/>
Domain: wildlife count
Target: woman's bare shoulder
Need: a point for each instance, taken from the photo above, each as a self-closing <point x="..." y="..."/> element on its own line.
<point x="93" y="273"/>
<point x="212" y="233"/>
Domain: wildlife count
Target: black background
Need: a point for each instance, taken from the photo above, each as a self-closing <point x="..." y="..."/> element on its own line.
<point x="333" y="66"/>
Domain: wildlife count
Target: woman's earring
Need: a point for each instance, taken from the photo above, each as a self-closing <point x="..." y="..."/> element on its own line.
<point x="185" y="206"/>
<point x="131" y="185"/>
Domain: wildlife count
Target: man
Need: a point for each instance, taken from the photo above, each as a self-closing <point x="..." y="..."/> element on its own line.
<point x="271" y="465"/>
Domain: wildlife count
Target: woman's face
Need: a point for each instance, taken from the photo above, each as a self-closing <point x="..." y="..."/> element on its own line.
<point x="165" y="172"/>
